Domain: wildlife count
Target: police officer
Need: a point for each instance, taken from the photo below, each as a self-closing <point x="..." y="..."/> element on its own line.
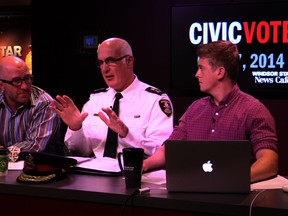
<point x="145" y="118"/>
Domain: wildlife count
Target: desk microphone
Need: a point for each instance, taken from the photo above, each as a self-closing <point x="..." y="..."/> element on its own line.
<point x="145" y="189"/>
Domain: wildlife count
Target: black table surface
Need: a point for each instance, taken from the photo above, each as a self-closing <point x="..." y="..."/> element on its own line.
<point x="111" y="190"/>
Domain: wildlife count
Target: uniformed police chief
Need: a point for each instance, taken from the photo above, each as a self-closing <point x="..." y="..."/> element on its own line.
<point x="145" y="118"/>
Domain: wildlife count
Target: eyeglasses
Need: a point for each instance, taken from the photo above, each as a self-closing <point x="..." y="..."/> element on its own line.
<point x="17" y="82"/>
<point x="109" y="60"/>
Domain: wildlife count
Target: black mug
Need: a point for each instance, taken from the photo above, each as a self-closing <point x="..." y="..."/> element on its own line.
<point x="132" y="170"/>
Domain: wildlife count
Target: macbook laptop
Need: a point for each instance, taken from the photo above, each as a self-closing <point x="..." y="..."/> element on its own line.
<point x="208" y="166"/>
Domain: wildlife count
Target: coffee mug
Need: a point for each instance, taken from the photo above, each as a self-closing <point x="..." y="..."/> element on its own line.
<point x="132" y="170"/>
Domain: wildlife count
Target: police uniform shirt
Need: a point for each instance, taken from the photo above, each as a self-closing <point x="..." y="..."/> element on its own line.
<point x="145" y="110"/>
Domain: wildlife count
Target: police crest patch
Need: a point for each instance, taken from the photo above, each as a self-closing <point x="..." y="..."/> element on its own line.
<point x="166" y="107"/>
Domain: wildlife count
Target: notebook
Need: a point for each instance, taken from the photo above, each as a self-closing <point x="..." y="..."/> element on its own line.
<point x="208" y="166"/>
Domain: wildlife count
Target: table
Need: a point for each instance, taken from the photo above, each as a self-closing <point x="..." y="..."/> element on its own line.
<point x="89" y="194"/>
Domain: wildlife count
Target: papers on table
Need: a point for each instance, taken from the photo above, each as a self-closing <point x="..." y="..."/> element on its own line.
<point x="275" y="183"/>
<point x="156" y="177"/>
<point x="18" y="165"/>
<point x="103" y="165"/>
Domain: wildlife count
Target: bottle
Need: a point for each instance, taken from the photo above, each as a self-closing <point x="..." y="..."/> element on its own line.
<point x="4" y="160"/>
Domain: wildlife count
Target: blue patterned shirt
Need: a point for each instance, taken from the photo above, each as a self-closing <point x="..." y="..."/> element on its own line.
<point x="32" y="126"/>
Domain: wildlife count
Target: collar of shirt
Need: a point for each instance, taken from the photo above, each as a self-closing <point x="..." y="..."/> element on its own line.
<point x="229" y="98"/>
<point x="128" y="92"/>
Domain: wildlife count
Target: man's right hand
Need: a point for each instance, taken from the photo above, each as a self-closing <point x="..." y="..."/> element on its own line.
<point x="68" y="111"/>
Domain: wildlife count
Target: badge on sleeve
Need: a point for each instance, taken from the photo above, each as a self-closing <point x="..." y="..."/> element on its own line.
<point x="166" y="107"/>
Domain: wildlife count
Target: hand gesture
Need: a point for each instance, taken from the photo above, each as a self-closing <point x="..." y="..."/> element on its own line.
<point x="68" y="111"/>
<point x="113" y="122"/>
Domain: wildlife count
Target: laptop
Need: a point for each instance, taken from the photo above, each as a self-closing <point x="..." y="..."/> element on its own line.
<point x="221" y="166"/>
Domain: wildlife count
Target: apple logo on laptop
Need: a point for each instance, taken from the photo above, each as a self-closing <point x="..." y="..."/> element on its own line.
<point x="207" y="167"/>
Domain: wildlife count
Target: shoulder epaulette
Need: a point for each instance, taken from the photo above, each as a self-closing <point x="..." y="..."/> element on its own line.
<point x="154" y="90"/>
<point x="99" y="90"/>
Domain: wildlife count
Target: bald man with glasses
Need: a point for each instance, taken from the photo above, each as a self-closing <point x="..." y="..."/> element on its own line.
<point x="27" y="123"/>
<point x="145" y="117"/>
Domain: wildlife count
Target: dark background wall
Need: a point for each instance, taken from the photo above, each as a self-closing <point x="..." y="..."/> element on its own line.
<point x="60" y="67"/>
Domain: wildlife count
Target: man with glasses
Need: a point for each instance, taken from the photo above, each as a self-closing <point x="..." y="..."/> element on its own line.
<point x="27" y="123"/>
<point x="145" y="116"/>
